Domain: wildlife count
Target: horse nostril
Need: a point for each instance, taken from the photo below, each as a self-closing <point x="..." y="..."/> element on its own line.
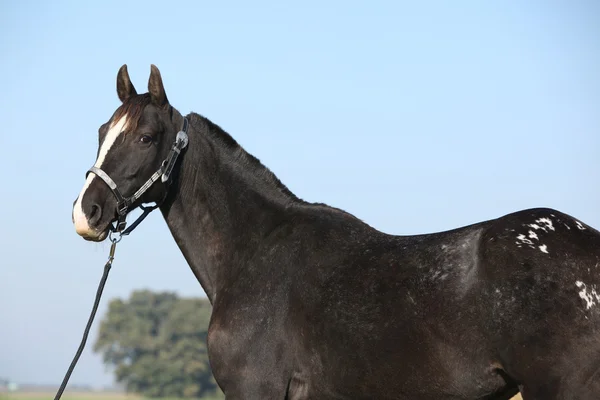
<point x="95" y="214"/>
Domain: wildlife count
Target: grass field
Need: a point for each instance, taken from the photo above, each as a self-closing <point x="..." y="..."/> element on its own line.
<point x="97" y="396"/>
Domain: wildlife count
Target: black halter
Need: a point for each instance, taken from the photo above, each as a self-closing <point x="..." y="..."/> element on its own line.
<point x="164" y="173"/>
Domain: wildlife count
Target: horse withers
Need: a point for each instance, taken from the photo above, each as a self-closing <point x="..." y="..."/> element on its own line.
<point x="309" y="302"/>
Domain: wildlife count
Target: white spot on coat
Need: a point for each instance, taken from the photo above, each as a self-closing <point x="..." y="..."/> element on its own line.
<point x="579" y="225"/>
<point x="591" y="298"/>
<point x="532" y="235"/>
<point x="79" y="218"/>
<point x="524" y="240"/>
<point x="545" y="223"/>
<point x="544" y="248"/>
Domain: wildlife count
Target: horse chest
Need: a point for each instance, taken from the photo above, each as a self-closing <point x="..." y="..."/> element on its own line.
<point x="245" y="343"/>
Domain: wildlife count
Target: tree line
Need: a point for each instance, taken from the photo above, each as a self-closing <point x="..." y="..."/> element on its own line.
<point x="155" y="342"/>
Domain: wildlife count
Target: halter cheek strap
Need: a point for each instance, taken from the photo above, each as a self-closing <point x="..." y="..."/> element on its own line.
<point x="164" y="173"/>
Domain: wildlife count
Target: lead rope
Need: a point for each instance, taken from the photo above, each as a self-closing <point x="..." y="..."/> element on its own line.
<point x="115" y="235"/>
<point x="86" y="332"/>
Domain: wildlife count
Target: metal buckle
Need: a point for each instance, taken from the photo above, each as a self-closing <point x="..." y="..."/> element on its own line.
<point x="181" y="142"/>
<point x="122" y="208"/>
<point x="182" y="138"/>
<point x="120" y="226"/>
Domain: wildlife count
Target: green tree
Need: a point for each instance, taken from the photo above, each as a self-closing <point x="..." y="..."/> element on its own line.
<point x="156" y="343"/>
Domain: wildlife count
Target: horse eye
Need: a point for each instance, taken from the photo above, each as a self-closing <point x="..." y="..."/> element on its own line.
<point x="146" y="139"/>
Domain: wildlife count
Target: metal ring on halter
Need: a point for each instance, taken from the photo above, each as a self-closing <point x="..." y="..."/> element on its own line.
<point x="112" y="238"/>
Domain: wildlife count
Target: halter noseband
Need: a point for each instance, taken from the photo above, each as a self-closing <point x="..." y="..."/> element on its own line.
<point x="164" y="173"/>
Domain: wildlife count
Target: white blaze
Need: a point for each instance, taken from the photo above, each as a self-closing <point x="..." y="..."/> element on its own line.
<point x="79" y="218"/>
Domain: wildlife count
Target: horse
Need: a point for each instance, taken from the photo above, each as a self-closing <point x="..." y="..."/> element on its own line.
<point x="310" y="302"/>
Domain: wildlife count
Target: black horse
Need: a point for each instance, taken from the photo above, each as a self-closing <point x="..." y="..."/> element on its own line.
<point x="309" y="302"/>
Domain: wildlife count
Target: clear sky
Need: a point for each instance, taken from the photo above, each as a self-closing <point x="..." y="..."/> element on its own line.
<point x="415" y="116"/>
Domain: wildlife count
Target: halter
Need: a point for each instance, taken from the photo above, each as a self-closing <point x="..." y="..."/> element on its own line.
<point x="124" y="203"/>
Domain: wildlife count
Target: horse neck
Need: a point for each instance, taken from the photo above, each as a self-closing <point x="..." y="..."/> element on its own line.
<point x="223" y="203"/>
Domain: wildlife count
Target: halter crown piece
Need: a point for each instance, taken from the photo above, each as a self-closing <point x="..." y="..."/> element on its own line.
<point x="124" y="203"/>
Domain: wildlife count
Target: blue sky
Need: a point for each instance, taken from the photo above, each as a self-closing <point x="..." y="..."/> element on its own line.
<point x="414" y="116"/>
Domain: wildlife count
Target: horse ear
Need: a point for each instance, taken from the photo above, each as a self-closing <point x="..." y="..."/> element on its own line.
<point x="125" y="88"/>
<point x="156" y="88"/>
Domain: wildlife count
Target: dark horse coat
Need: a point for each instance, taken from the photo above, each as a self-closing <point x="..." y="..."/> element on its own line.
<point x="309" y="302"/>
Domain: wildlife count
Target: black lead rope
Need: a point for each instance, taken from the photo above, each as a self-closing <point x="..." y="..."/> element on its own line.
<point x="86" y="332"/>
<point x="107" y="266"/>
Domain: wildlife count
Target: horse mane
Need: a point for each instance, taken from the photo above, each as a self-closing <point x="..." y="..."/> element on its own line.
<point x="253" y="164"/>
<point x="250" y="162"/>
